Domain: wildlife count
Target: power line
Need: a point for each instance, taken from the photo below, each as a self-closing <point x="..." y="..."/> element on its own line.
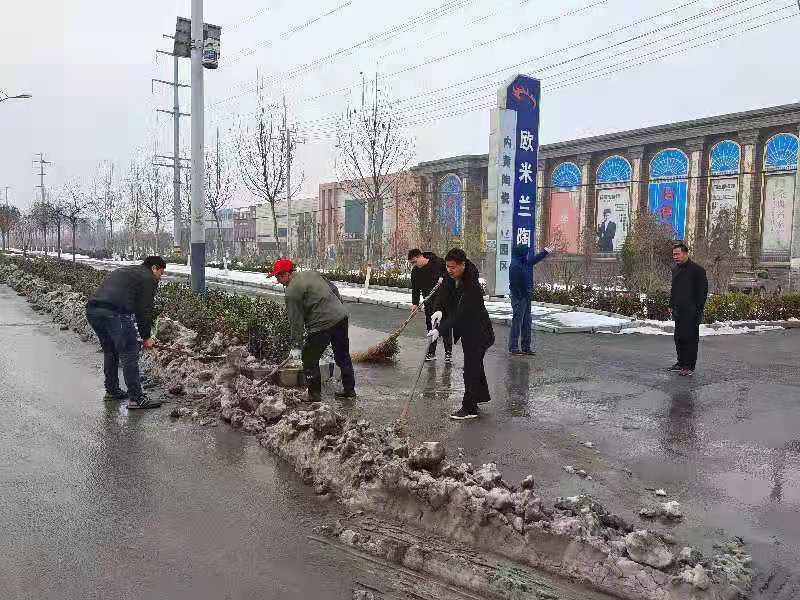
<point x="245" y="52"/>
<point x="581" y="78"/>
<point x="420" y="19"/>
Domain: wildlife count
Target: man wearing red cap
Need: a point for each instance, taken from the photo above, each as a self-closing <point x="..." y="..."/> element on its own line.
<point x="314" y="306"/>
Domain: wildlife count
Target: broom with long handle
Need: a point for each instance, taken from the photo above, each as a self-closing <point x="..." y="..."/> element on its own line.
<point x="388" y="348"/>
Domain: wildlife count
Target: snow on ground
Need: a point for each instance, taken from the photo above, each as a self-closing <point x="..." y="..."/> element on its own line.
<point x="582" y="319"/>
<point x="499" y="310"/>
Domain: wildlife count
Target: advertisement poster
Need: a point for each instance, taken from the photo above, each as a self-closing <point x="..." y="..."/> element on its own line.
<point x="564" y="221"/>
<point x="613" y="218"/>
<point x="723" y="195"/>
<point x="778" y="207"/>
<point x="668" y="201"/>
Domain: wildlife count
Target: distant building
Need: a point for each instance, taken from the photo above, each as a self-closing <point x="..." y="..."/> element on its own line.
<point x="244" y="231"/>
<point x="687" y="173"/>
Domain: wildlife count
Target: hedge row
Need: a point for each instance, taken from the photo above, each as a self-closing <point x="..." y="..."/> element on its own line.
<point x="259" y="322"/>
<point x="731" y="306"/>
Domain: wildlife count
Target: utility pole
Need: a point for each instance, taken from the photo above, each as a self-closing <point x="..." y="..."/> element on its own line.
<point x="198" y="167"/>
<point x="42" y="162"/>
<point x="176" y="140"/>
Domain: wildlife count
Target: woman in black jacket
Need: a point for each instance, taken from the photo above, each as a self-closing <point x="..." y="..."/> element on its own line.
<point x="461" y="298"/>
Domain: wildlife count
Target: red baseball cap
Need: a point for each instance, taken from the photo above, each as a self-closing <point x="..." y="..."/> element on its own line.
<point x="282" y="265"/>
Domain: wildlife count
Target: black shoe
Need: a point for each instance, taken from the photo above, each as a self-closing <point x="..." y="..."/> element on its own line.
<point x="529" y="352"/>
<point x="463" y="414"/>
<point x="516" y="352"/>
<point x="143" y="402"/>
<point x="448" y="358"/>
<point x="686" y="372"/>
<point x="429" y="357"/>
<point x="115" y="396"/>
<point x="345" y="394"/>
<point x="675" y="368"/>
<point x="484" y="401"/>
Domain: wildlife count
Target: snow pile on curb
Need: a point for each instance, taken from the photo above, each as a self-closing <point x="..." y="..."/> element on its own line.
<point x="380" y="470"/>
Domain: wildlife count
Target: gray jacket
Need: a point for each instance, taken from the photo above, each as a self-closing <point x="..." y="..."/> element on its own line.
<point x="312" y="305"/>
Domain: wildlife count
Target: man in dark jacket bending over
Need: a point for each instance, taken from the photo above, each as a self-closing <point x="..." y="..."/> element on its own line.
<point x="122" y="303"/>
<point x="520" y="279"/>
<point x="461" y="298"/>
<point x="687" y="302"/>
<point x="429" y="270"/>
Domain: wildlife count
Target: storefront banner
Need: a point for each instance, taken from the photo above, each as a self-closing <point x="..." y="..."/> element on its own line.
<point x="668" y="202"/>
<point x="613" y="218"/>
<point x="564" y="220"/>
<point x="778" y="207"/>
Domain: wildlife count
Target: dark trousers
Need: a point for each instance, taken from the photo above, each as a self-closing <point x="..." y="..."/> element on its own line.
<point x="520" y="322"/>
<point x="687" y="336"/>
<point x="120" y="343"/>
<point x="447" y="338"/>
<point x="476" y="388"/>
<point x="337" y="337"/>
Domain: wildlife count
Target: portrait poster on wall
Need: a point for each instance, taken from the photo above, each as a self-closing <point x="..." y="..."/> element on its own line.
<point x="564" y="221"/>
<point x="778" y="207"/>
<point x="667" y="201"/>
<point x="613" y="218"/>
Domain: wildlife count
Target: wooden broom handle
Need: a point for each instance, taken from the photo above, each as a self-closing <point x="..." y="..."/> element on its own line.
<point x="414" y="312"/>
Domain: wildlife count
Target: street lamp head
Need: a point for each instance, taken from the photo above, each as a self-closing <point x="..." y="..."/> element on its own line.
<point x="24" y="96"/>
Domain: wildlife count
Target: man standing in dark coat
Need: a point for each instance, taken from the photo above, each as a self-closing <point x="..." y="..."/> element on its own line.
<point x="520" y="283"/>
<point x="461" y="298"/>
<point x="687" y="303"/>
<point x="606" y="232"/>
<point x="122" y="304"/>
<point x="428" y="270"/>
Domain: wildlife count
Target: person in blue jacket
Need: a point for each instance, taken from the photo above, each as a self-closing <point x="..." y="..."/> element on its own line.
<point x="520" y="279"/>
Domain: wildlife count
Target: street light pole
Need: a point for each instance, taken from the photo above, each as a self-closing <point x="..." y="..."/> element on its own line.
<point x="198" y="250"/>
<point x="5" y="97"/>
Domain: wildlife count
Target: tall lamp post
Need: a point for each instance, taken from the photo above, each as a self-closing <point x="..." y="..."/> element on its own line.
<point x="4" y="96"/>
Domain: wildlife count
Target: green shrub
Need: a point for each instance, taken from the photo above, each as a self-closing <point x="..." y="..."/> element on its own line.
<point x="257" y="321"/>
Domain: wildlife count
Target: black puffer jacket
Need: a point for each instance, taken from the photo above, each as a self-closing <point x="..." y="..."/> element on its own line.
<point x="130" y="291"/>
<point x="466" y="313"/>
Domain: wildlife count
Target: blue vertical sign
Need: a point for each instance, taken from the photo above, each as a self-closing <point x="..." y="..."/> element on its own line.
<point x="523" y="96"/>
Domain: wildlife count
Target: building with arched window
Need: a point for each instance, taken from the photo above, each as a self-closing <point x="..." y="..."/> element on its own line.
<point x="739" y="168"/>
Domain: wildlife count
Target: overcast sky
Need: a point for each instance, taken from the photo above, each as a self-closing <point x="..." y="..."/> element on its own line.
<point x="89" y="65"/>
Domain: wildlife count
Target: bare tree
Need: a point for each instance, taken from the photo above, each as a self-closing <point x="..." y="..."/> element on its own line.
<point x="220" y="187"/>
<point x="157" y="201"/>
<point x="25" y="231"/>
<point x="43" y="215"/>
<point x="373" y="153"/>
<point x="135" y="219"/>
<point x="9" y="217"/>
<point x="263" y="155"/>
<point x="109" y="204"/>
<point x="718" y="250"/>
<point x="75" y="204"/>
<point x="646" y="256"/>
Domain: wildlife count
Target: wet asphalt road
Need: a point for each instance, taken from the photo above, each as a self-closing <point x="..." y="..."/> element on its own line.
<point x="725" y="443"/>
<point x="97" y="503"/>
<point x="207" y="514"/>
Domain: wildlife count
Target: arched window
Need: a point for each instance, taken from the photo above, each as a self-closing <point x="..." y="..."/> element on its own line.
<point x="725" y="158"/>
<point x="614" y="170"/>
<point x="566" y="176"/>
<point x="667" y="191"/>
<point x="671" y="163"/>
<point x="451" y="203"/>
<point x="780" y="164"/>
<point x="780" y="153"/>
